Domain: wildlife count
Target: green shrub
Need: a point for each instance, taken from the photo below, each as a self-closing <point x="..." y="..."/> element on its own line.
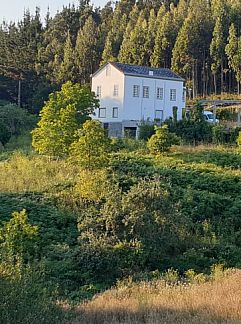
<point x="162" y="140"/>
<point x="5" y="133"/>
<point x="239" y="139"/>
<point x="146" y="131"/>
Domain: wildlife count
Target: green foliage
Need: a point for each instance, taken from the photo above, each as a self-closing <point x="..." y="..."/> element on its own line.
<point x="62" y="115"/>
<point x="16" y="120"/>
<point x="162" y="140"/>
<point x="25" y="298"/>
<point x="239" y="139"/>
<point x="191" y="131"/>
<point x="5" y="134"/>
<point x="90" y="148"/>
<point x="18" y="237"/>
<point x="146" y="131"/>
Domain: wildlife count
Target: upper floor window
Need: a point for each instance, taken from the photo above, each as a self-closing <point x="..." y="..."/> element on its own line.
<point x="173" y="94"/>
<point x="136" y="91"/>
<point x="115" y="112"/>
<point x="145" y="92"/>
<point x="159" y="93"/>
<point x="102" y="113"/>
<point x="98" y="92"/>
<point x="116" y="90"/>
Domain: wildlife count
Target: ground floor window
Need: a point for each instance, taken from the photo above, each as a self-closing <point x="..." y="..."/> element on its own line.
<point x="115" y="112"/>
<point x="102" y="112"/>
<point x="159" y="114"/>
<point x="130" y="132"/>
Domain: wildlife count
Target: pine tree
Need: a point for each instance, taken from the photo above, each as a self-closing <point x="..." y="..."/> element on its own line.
<point x="233" y="51"/>
<point x="191" y="48"/>
<point x="66" y="72"/>
<point x="135" y="51"/>
<point x="126" y="38"/>
<point x="86" y="51"/>
<point x="164" y="42"/>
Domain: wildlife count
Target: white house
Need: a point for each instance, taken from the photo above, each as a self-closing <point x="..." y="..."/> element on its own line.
<point x="130" y="94"/>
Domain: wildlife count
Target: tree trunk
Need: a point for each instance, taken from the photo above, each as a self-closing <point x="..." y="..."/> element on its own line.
<point x="215" y="82"/>
<point x="19" y="93"/>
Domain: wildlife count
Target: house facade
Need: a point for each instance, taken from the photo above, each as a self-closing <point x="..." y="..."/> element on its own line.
<point x="131" y="94"/>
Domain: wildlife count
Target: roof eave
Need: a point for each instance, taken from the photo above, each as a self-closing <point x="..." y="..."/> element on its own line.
<point x="155" y="77"/>
<point x="96" y="72"/>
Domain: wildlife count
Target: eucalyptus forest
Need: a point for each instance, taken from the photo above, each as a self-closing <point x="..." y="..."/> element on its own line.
<point x="119" y="230"/>
<point x="200" y="40"/>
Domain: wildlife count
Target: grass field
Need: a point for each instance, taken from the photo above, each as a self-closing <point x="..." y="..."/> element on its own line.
<point x="216" y="301"/>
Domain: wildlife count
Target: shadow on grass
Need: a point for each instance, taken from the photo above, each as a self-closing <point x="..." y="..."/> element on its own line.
<point x="219" y="158"/>
<point x="149" y="315"/>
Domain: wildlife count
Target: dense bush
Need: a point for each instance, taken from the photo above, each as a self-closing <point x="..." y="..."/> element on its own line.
<point x="191" y="131"/>
<point x="162" y="140"/>
<point x="146" y="131"/>
<point x="16" y="120"/>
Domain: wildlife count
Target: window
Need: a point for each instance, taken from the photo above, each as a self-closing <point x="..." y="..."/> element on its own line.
<point x="159" y="114"/>
<point x="159" y="93"/>
<point x="136" y="91"/>
<point x="145" y="92"/>
<point x="115" y="112"/>
<point x="116" y="90"/>
<point x="173" y="94"/>
<point x="102" y="112"/>
<point x="98" y="92"/>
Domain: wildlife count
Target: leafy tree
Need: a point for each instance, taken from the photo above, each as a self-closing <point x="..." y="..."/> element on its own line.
<point x="91" y="146"/>
<point x="162" y="140"/>
<point x="64" y="112"/>
<point x="15" y="119"/>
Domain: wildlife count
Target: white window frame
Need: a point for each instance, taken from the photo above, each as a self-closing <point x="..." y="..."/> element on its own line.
<point x="145" y="92"/>
<point x="102" y="112"/>
<point x="115" y="112"/>
<point x="116" y="90"/>
<point x="173" y="94"/>
<point x="136" y="90"/>
<point x="159" y="93"/>
<point x="98" y="92"/>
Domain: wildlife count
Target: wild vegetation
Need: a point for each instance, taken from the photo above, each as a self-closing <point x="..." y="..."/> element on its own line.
<point x="91" y="211"/>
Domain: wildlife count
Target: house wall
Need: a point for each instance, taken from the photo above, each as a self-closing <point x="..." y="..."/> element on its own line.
<point x="107" y="78"/>
<point x="131" y="109"/>
<point x="139" y="108"/>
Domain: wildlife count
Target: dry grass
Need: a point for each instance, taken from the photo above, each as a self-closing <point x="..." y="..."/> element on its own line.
<point x="216" y="301"/>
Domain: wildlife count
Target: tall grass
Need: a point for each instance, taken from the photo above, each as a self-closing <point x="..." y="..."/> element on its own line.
<point x="216" y="301"/>
<point x="23" y="173"/>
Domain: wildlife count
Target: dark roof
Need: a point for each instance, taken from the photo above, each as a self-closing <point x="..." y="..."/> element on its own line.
<point x="158" y="73"/>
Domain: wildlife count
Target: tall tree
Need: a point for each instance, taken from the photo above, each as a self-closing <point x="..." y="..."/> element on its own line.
<point x="191" y="50"/>
<point x="233" y="51"/>
<point x="86" y="55"/>
<point x="164" y="42"/>
<point x="66" y="71"/>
